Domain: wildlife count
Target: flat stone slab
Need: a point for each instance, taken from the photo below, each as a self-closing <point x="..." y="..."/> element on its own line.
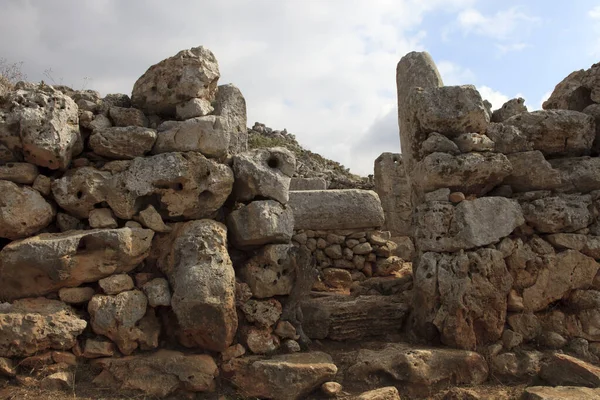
<point x="560" y="392"/>
<point x="336" y="209"/>
<point x="308" y="184"/>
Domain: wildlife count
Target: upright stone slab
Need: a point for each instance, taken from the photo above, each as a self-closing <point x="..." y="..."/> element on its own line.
<point x="336" y="209"/>
<point x="393" y="188"/>
<point x="231" y="106"/>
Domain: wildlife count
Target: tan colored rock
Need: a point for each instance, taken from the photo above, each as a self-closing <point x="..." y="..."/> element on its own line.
<point x="285" y="377"/>
<point x="516" y="367"/>
<point x="385" y="393"/>
<point x="48" y="262"/>
<point x="62" y="380"/>
<point x="562" y="213"/>
<point x="158" y="292"/>
<point x="151" y="219"/>
<point x="508" y="139"/>
<point x="159" y="374"/>
<point x="438" y="143"/>
<point x="576" y="91"/>
<point x="268" y="273"/>
<point x="564" y="370"/>
<point x="511" y="108"/>
<point x="231" y="105"/>
<point x="76" y="295"/>
<point x="23" y="173"/>
<point x="237" y="350"/>
<point x="560" y="392"/>
<point x="264" y="313"/>
<point x="337" y="278"/>
<point x="98" y="348"/>
<point x="202" y="278"/>
<point x="587" y="244"/>
<point x="127" y="117"/>
<point x="43" y="184"/>
<point x="329" y="209"/>
<point x="557" y="132"/>
<point x="79" y="190"/>
<point x="331" y="389"/>
<point x="531" y="172"/>
<point x="123" y="142"/>
<point x="37" y="324"/>
<point x="23" y="211"/>
<point x="308" y="184"/>
<point x="260" y="223"/>
<point x="260" y="340"/>
<point x="102" y="218"/>
<point x="468" y="142"/>
<point x="207" y="135"/>
<point x="7" y="367"/>
<point x="116" y="284"/>
<point x="193" y="108"/>
<point x="286" y="330"/>
<point x="188" y="74"/>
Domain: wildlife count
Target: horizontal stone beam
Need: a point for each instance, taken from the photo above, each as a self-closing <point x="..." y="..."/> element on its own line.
<point x="336" y="209"/>
<point x="308" y="184"/>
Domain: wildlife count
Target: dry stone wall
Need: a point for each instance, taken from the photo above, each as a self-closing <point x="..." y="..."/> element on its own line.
<point x="505" y="214"/>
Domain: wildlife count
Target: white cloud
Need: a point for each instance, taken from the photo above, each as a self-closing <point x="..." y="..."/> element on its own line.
<point x="507" y="48"/>
<point x="502" y="25"/>
<point x="594" y="13"/>
<point x="545" y="97"/>
<point x="454" y="74"/>
<point x="493" y="96"/>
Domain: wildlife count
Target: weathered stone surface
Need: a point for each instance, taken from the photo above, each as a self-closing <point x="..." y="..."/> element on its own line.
<point x="509" y="109"/>
<point x="188" y="74"/>
<point x="193" y="108"/>
<point x="23" y="173"/>
<point x="43" y="184"/>
<point x="394" y="191"/>
<point x="343" y="318"/>
<point x="564" y="370"/>
<point x="29" y="326"/>
<point x="386" y="393"/>
<point x="263" y="173"/>
<point x="158" y="292"/>
<point x="268" y="272"/>
<point x="260" y="223"/>
<point x="116" y="284"/>
<point x="43" y="127"/>
<point x="576" y="91"/>
<point x="329" y="209"/>
<point x="122" y="143"/>
<point x="468" y="142"/>
<point x="580" y="174"/>
<point x="593" y="110"/>
<point x="237" y="350"/>
<point x="7" y="367"/>
<point x="562" y="213"/>
<point x="76" y="295"/>
<point x="23" y="211"/>
<point x="102" y="218"/>
<point x="462" y="297"/>
<point x="231" y="105"/>
<point x="526" y="324"/>
<point x="470" y="173"/>
<point x="159" y="374"/>
<point x="336" y="278"/>
<point x="308" y="184"/>
<point x="418" y="370"/>
<point x="264" y="313"/>
<point x="285" y="377"/>
<point x="207" y="135"/>
<point x="442" y="227"/>
<point x="437" y="143"/>
<point x="516" y="367"/>
<point x="557" y="132"/>
<point x="79" y="190"/>
<point x="331" y="389"/>
<point x="259" y="340"/>
<point x="122" y="116"/>
<point x="508" y="139"/>
<point x="531" y="171"/>
<point x="560" y="393"/>
<point x="202" y="278"/>
<point x="151" y="219"/>
<point x="587" y="244"/>
<point x="98" y="348"/>
<point x="42" y="264"/>
<point x="561" y="273"/>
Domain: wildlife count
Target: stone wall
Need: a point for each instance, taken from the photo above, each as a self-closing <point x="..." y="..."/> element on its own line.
<point x="506" y="214"/>
<point x="393" y="188"/>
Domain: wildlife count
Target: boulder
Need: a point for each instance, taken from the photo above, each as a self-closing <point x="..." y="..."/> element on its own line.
<point x="231" y="105"/>
<point x="508" y="139"/>
<point x="116" y="284"/>
<point x="531" y="171"/>
<point x="23" y="173"/>
<point x="42" y="264"/>
<point x="76" y="295"/>
<point x="268" y="273"/>
<point x="559" y="393"/>
<point x="564" y="370"/>
<point x="158" y="292"/>
<point x="437" y="143"/>
<point x="578" y="174"/>
<point x="470" y="173"/>
<point x="202" y="278"/>
<point x="158" y="374"/>
<point x="331" y="209"/>
<point x="442" y="227"/>
<point x="263" y="313"/>
<point x="207" y="135"/>
<point x="509" y="109"/>
<point x="260" y="223"/>
<point x="129" y="117"/>
<point x="282" y="377"/>
<point x="557" y="132"/>
<point x="80" y="189"/>
<point x="462" y="297"/>
<point x="263" y="174"/>
<point x="339" y="317"/>
<point x="578" y="90"/>
<point x="151" y="219"/>
<point x="188" y="74"/>
<point x="23" y="211"/>
<point x="561" y="213"/>
<point x="518" y="367"/>
<point x="30" y="326"/>
<point x="193" y="108"/>
<point x="122" y="143"/>
<point x="259" y="340"/>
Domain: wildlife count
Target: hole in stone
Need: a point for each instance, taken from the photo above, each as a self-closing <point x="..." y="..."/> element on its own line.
<point x="79" y="194"/>
<point x="280" y="261"/>
<point x="205" y="196"/>
<point x="273" y="162"/>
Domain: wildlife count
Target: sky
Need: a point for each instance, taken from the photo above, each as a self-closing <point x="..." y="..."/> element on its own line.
<point x="322" y="69"/>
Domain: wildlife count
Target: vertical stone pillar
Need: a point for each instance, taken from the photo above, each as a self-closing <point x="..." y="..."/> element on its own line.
<point x="393" y="188"/>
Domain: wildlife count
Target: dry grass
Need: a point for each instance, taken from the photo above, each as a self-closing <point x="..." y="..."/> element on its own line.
<point x="10" y="73"/>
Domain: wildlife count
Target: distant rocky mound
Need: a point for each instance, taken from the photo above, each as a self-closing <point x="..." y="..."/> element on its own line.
<point x="308" y="164"/>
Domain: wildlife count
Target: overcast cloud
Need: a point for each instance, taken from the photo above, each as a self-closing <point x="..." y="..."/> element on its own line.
<point x="323" y="69"/>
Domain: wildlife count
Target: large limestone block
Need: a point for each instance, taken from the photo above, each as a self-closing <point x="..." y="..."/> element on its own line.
<point x="462" y="297"/>
<point x="80" y="189"/>
<point x="508" y="139"/>
<point x="449" y="110"/>
<point x="189" y="74"/>
<point x="207" y="135"/>
<point x="394" y="191"/>
<point x="562" y="213"/>
<point x="231" y="105"/>
<point x="42" y="264"/>
<point x="159" y="374"/>
<point x="470" y="173"/>
<point x="557" y="132"/>
<point x="336" y="209"/>
<point x="578" y="174"/>
<point x="419" y="370"/>
<point x="122" y="116"/>
<point x="442" y="227"/>
<point x="202" y="278"/>
<point x="346" y="318"/>
<point x="267" y="272"/>
<point x="42" y="127"/>
<point x="122" y="143"/>
<point x="284" y="377"/>
<point x="308" y="184"/>
<point x="531" y="171"/>
<point x="558" y="275"/>
<point x="30" y="326"/>
<point x="263" y="174"/>
<point x="23" y="211"/>
<point x="260" y="223"/>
